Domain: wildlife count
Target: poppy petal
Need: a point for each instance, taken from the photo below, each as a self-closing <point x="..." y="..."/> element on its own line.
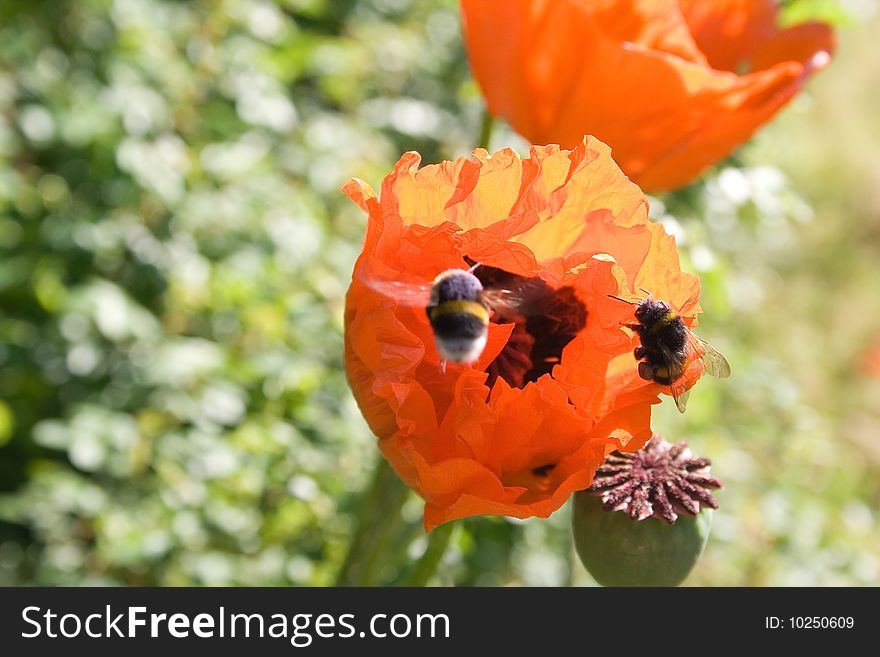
<point x="729" y="31"/>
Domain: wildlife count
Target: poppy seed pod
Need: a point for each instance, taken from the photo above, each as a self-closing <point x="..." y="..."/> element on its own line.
<point x="646" y="518"/>
<point x="672" y="86"/>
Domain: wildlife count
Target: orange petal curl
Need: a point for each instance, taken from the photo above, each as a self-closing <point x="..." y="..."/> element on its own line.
<point x="570" y="218"/>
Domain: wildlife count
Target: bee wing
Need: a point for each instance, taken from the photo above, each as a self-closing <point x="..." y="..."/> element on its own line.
<point x="523" y="297"/>
<point x="504" y="302"/>
<point x="681" y="400"/>
<point x="716" y="364"/>
<point x="407" y="294"/>
<point x="680" y="392"/>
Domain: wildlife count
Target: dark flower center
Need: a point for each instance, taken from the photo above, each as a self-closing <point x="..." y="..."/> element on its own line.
<point x="543" y="470"/>
<point x="545" y="321"/>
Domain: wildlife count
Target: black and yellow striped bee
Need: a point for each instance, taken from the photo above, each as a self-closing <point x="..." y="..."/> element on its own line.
<point x="458" y="307"/>
<point x="668" y="347"/>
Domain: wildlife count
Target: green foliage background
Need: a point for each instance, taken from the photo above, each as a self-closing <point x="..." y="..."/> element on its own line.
<point x="174" y="253"/>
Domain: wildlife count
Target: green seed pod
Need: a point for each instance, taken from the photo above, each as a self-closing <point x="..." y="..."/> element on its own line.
<point x="646" y="518"/>
<point x="620" y="551"/>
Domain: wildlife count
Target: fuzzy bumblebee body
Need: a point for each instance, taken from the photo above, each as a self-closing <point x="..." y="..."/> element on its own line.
<point x="459" y="306"/>
<point x="668" y="347"/>
<point x="458" y="316"/>
<point x="664" y="339"/>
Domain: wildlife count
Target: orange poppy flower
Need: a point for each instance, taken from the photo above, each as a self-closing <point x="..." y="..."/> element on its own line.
<point x="870" y="361"/>
<point x="528" y="423"/>
<point x="671" y="85"/>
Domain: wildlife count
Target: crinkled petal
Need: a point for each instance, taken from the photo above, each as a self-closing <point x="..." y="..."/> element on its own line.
<point x="571" y="219"/>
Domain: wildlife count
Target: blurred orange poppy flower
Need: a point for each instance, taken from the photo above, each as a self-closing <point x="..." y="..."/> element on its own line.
<point x="671" y="85"/>
<point x="869" y="363"/>
<point x="528" y="423"/>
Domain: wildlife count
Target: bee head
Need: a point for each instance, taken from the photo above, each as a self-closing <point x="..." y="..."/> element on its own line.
<point x="456" y="285"/>
<point x="651" y="310"/>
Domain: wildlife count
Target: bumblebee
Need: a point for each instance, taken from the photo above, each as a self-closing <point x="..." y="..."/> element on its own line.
<point x="458" y="307"/>
<point x="668" y="346"/>
<point x="458" y="311"/>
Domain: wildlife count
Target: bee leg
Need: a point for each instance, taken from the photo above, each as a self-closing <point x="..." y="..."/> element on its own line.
<point x="646" y="371"/>
<point x="634" y="327"/>
<point x="640" y="352"/>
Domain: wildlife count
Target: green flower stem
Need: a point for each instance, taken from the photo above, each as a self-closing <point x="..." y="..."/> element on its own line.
<point x="386" y="523"/>
<point x="438" y="540"/>
<point x="486" y="127"/>
<point x="379" y="516"/>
